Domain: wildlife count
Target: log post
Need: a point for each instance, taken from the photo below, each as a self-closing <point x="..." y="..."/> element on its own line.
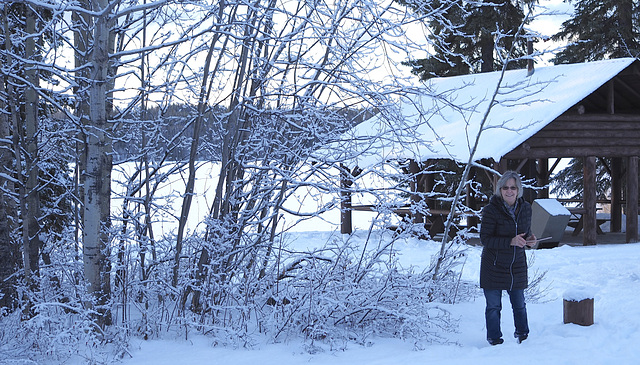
<point x="616" y="195"/>
<point x="632" y="199"/>
<point x="578" y="312"/>
<point x="589" y="196"/>
<point x="416" y="198"/>
<point x="543" y="178"/>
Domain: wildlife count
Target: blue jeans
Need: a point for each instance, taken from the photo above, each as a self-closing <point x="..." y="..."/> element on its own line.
<point x="492" y="312"/>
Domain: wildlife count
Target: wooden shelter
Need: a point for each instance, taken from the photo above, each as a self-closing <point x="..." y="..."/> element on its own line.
<point x="587" y="111"/>
<point x="606" y="123"/>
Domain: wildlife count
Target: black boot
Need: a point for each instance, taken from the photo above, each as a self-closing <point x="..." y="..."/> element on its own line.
<point x="520" y="337"/>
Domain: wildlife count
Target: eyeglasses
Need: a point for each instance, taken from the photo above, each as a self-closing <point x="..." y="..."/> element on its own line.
<point x="505" y="188"/>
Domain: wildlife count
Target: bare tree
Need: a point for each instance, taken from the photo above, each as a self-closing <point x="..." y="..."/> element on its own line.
<point x="306" y="68"/>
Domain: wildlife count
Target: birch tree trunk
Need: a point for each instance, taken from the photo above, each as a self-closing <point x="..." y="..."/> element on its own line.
<point x="30" y="217"/>
<point x="22" y="102"/>
<point x="81" y="22"/>
<point x="8" y="247"/>
<point x="97" y="187"/>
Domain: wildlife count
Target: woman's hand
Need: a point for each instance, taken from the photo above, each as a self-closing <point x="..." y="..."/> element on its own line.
<point x="532" y="240"/>
<point x="519" y="240"/>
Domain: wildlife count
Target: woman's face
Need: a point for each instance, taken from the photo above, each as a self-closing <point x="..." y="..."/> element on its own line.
<point x="510" y="192"/>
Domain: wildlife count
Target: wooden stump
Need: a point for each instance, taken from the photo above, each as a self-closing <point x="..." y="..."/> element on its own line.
<point x="579" y="312"/>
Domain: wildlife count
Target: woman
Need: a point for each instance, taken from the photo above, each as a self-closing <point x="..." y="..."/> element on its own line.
<point x="504" y="232"/>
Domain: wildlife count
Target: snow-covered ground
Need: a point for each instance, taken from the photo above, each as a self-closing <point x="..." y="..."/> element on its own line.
<point x="609" y="272"/>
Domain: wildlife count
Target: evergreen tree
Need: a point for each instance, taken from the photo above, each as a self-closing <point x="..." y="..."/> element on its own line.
<point x="600" y="29"/>
<point x="569" y="181"/>
<point x="473" y="37"/>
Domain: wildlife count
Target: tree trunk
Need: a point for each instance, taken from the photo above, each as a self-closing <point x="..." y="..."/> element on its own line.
<point x="195" y="141"/>
<point x="8" y="247"/>
<point x="625" y="28"/>
<point x="97" y="187"/>
<point x="82" y="36"/>
<point x="9" y="253"/>
<point x="30" y="217"/>
<point x="486" y="51"/>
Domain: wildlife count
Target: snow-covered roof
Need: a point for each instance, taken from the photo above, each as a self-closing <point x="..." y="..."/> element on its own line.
<point x="443" y="119"/>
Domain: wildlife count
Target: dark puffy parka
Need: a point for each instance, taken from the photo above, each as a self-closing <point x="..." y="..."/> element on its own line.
<point x="503" y="266"/>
